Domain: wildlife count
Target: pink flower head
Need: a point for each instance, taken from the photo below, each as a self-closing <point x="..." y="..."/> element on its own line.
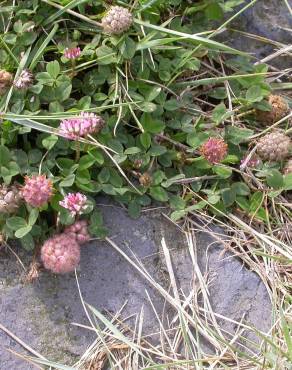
<point x="60" y="254"/>
<point x="79" y="231"/>
<point x="72" y="53"/>
<point x="37" y="190"/>
<point x="75" y="203"/>
<point x="81" y="126"/>
<point x="214" y="150"/>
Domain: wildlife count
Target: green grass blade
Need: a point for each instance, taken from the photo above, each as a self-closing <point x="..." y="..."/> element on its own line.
<point x="287" y="335"/>
<point x="116" y="332"/>
<point x="41" y="49"/>
<point x="60" y="12"/>
<point x="212" y="80"/>
<point x="6" y="47"/>
<point x="155" y="43"/>
<point x="51" y="364"/>
<point x="198" y="39"/>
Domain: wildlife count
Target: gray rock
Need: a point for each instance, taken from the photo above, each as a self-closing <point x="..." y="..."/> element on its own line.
<point x="41" y="314"/>
<point x="266" y="18"/>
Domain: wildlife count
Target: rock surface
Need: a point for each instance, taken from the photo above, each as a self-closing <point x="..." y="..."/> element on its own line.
<point x="41" y="314"/>
<point x="266" y="18"/>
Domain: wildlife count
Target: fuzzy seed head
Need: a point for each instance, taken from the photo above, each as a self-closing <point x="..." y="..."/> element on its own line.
<point x="274" y="146"/>
<point x="75" y="203"/>
<point x="6" y="79"/>
<point x="10" y="199"/>
<point x="117" y="20"/>
<point x="72" y="53"/>
<point x="214" y="150"/>
<point x="145" y="179"/>
<point x="24" y="80"/>
<point x="37" y="190"/>
<point x="279" y="109"/>
<point x="81" y="126"/>
<point x="79" y="231"/>
<point x="60" y="254"/>
<point x="288" y="167"/>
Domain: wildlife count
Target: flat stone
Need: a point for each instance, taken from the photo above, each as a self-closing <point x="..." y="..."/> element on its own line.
<point x="41" y="314"/>
<point x="266" y="18"/>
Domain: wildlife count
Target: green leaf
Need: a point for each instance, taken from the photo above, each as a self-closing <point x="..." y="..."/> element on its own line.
<point x="288" y="181"/>
<point x="214" y="11"/>
<point x="223" y="172"/>
<point x="68" y="181"/>
<point x="53" y="68"/>
<point x="13" y="168"/>
<point x="105" y="55"/>
<point x="128" y="48"/>
<point x="104" y="175"/>
<point x="27" y="242"/>
<point x="86" y="161"/>
<point x="153" y="93"/>
<point x="97" y="155"/>
<point x="145" y="140"/>
<point x="133" y="150"/>
<point x="65" y="217"/>
<point x="176" y="202"/>
<point x="33" y="216"/>
<point x="158" y="177"/>
<point x="177" y="215"/>
<point x="108" y="189"/>
<point x="4" y="155"/>
<point x="20" y="233"/>
<point x="170" y="181"/>
<point x="158" y="193"/>
<point x="134" y="209"/>
<point x="172" y="105"/>
<point x="240" y="188"/>
<point x="50" y="141"/>
<point x="63" y="89"/>
<point x="98" y="231"/>
<point x="96" y="218"/>
<point x="237" y="135"/>
<point x="151" y="124"/>
<point x="254" y="94"/>
<point x="83" y="177"/>
<point x="157" y="150"/>
<point x="228" y="197"/>
<point x="275" y="179"/>
<point x="34" y="156"/>
<point x="16" y="223"/>
<point x="195" y="139"/>
<point x="256" y="201"/>
<point x="220" y="113"/>
<point x="213" y="198"/>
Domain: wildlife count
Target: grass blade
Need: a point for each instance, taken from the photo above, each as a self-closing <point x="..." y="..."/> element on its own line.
<point x="198" y="39"/>
<point x="41" y="49"/>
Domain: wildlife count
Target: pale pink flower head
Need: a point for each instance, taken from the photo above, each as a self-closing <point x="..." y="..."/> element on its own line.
<point x="60" y="254"/>
<point x="37" y="190"/>
<point x="72" y="53"/>
<point x="75" y="203"/>
<point x="24" y="80"/>
<point x="81" y="126"/>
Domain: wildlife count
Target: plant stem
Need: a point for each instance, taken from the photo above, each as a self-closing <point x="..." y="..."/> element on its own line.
<point x="77" y="151"/>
